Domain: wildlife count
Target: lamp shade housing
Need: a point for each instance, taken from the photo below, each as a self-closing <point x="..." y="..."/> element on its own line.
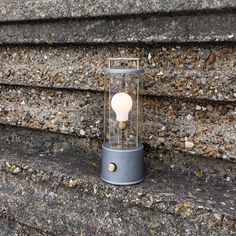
<point x="122" y="160"/>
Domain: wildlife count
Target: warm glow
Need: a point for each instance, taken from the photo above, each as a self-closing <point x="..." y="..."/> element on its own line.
<point x="121" y="103"/>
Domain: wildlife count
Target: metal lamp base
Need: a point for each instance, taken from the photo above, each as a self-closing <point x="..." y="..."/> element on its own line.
<point x="122" y="167"/>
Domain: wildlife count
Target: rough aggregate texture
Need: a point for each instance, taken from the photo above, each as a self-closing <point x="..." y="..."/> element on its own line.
<point x="194" y="127"/>
<point x="13" y="10"/>
<point x="9" y="227"/>
<point x="31" y="141"/>
<point x="145" y="29"/>
<point x="205" y="129"/>
<point x="48" y="188"/>
<point x="191" y="72"/>
<point x="48" y="109"/>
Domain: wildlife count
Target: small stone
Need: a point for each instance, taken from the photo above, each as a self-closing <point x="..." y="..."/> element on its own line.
<point x="223" y="110"/>
<point x="228" y="147"/>
<point x="81" y="78"/>
<point x="232" y="226"/>
<point x="210" y="108"/>
<point x="160" y="73"/>
<point x="176" y="62"/>
<point x="149" y="56"/>
<point x="200" y="174"/>
<point x="72" y="183"/>
<point x="224" y="51"/>
<point x="206" y="54"/>
<point x="214" y="117"/>
<point x="174" y="54"/>
<point x="217" y="216"/>
<point x="64" y="115"/>
<point x="197" y="140"/>
<point x="231" y="118"/>
<point x="161" y="140"/>
<point x="198" y="108"/>
<point x="8" y="164"/>
<point x="82" y="132"/>
<point x="228" y="178"/>
<point x="149" y="201"/>
<point x="189" y="144"/>
<point x="225" y="157"/>
<point x="25" y="167"/>
<point x="212" y="59"/>
<point x="16" y="170"/>
<point x="184" y="210"/>
<point x="189" y="117"/>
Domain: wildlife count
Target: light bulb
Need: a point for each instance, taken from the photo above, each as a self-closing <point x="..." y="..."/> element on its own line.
<point x="121" y="103"/>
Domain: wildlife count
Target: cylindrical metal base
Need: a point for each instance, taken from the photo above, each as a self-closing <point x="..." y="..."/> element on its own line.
<point x="122" y="167"/>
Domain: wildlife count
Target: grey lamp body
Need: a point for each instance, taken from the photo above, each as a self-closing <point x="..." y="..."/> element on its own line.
<point x="122" y="166"/>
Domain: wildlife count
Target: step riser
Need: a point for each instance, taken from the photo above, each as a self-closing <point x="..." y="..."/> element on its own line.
<point x="149" y="29"/>
<point x="192" y="127"/>
<point x="192" y="72"/>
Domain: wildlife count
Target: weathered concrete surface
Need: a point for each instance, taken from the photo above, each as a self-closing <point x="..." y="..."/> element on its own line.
<point x="62" y="194"/>
<point x="13" y="10"/>
<point x="203" y="27"/>
<point x="47" y="109"/>
<point x="4" y="228"/>
<point x="187" y="72"/>
<point x="31" y="141"/>
<point x="187" y="126"/>
<point x="9" y="227"/>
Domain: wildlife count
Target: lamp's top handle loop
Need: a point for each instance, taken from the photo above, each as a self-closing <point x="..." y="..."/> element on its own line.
<point x="123" y="59"/>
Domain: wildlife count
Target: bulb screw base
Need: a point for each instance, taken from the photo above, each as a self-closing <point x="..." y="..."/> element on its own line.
<point x="122" y="125"/>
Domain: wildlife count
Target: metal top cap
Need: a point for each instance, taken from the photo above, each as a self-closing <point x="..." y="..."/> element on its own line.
<point x="123" y="71"/>
<point x="136" y="70"/>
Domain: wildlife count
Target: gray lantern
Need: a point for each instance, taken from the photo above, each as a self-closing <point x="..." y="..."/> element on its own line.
<point x="122" y="160"/>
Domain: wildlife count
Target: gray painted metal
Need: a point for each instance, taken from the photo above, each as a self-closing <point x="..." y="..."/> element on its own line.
<point x="129" y="166"/>
<point x="124" y="71"/>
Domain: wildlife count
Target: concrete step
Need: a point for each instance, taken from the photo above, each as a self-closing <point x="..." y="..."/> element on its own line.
<point x="169" y="123"/>
<point x="123" y="22"/>
<point x="147" y="29"/>
<point x="57" y="9"/>
<point x="61" y="193"/>
<point x="196" y="72"/>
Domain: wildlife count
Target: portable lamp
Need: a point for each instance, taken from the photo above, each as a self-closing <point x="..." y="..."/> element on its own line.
<point x="122" y="159"/>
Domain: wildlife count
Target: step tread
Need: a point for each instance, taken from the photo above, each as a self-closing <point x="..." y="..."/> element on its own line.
<point x="41" y="192"/>
<point x="57" y="177"/>
<point x="12" y="10"/>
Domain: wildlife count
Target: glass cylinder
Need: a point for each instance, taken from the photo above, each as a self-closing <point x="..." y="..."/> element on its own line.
<point x="122" y="125"/>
